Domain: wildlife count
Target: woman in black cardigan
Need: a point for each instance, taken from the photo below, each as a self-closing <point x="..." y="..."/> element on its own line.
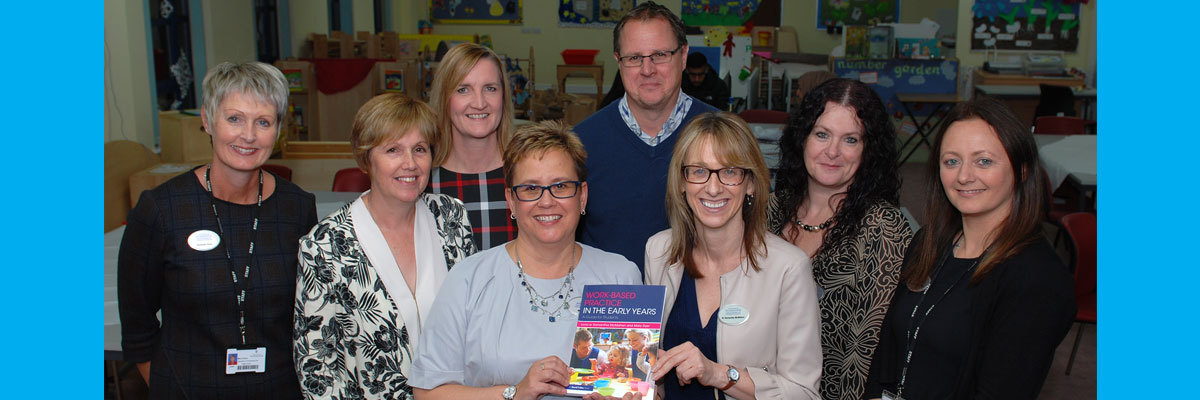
<point x="984" y="299"/>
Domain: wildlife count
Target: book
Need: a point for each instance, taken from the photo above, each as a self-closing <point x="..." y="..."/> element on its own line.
<point x="617" y="333"/>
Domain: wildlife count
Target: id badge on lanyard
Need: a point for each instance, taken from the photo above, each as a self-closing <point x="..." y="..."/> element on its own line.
<point x="246" y="359"/>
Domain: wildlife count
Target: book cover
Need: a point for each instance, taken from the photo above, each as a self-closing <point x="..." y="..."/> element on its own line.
<point x="393" y="80"/>
<point x="616" y="339"/>
<point x="295" y="79"/>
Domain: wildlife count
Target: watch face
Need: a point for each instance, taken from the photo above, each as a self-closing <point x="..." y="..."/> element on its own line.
<point x="510" y="392"/>
<point x="733" y="374"/>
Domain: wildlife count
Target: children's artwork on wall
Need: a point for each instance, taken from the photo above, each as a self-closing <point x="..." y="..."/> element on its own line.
<point x="856" y="12"/>
<point x="1025" y="25"/>
<point x="592" y="13"/>
<point x="729" y="12"/>
<point x="475" y="11"/>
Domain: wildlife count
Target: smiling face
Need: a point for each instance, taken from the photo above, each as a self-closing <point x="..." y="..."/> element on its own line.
<point x="243" y="132"/>
<point x="833" y="150"/>
<point x="477" y="103"/>
<point x="582" y="348"/>
<point x="651" y="86"/>
<point x="715" y="205"/>
<point x="975" y="170"/>
<point x="548" y="220"/>
<point x="636" y="341"/>
<point x="400" y="166"/>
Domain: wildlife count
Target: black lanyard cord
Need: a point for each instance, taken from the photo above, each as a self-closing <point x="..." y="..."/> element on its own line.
<point x="911" y="334"/>
<point x="239" y="284"/>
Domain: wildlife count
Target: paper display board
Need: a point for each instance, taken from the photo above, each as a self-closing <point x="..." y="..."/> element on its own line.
<point x="730" y="12"/>
<point x="856" y="12"/>
<point x="592" y="13"/>
<point x="1025" y="25"/>
<point x="892" y="76"/>
<point x="475" y="11"/>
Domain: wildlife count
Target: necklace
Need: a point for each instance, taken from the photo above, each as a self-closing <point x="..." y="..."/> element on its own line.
<point x="537" y="302"/>
<point x="814" y="228"/>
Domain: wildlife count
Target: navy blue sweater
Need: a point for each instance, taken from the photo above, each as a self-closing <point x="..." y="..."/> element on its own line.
<point x="627" y="182"/>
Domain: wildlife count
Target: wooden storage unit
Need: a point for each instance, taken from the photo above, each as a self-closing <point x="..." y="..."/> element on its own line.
<point x="304" y="115"/>
<point x="183" y="138"/>
<point x="151" y="177"/>
<point x="296" y="150"/>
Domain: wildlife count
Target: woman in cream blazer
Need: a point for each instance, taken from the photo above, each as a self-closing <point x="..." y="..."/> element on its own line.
<point x="741" y="309"/>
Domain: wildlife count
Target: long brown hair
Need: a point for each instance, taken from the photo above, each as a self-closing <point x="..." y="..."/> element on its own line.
<point x="735" y="146"/>
<point x="1021" y="228"/>
<point x="453" y="68"/>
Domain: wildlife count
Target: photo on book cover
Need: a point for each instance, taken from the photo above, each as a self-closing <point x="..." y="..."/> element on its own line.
<point x="616" y="340"/>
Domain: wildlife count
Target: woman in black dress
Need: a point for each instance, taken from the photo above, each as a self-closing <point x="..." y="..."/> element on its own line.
<point x="983" y="299"/>
<point x="214" y="250"/>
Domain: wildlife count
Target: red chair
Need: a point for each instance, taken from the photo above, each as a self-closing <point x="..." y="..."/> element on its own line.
<point x="1049" y="125"/>
<point x="1081" y="228"/>
<point x="279" y="170"/>
<point x="351" y="180"/>
<point x="764" y="116"/>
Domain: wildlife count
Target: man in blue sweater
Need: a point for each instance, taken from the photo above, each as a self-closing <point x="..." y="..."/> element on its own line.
<point x="629" y="142"/>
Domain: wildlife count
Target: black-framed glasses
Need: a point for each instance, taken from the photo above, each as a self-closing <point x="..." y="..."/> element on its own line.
<point x="560" y="190"/>
<point x="729" y="176"/>
<point x="658" y="57"/>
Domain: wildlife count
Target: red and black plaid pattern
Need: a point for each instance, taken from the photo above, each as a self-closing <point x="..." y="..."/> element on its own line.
<point x="483" y="194"/>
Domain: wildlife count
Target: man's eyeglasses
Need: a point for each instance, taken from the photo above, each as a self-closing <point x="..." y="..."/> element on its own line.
<point x="729" y="176"/>
<point x="659" y="57"/>
<point x="560" y="190"/>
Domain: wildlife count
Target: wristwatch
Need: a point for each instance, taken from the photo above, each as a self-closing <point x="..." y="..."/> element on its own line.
<point x="733" y="378"/>
<point x="509" y="392"/>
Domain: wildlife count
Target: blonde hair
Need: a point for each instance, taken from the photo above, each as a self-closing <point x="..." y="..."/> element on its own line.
<point x="389" y="116"/>
<point x="542" y="137"/>
<point x="735" y="146"/>
<point x="623" y="351"/>
<point x="452" y="70"/>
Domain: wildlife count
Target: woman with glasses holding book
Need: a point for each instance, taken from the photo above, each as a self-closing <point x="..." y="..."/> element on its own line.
<point x="503" y="323"/>
<point x="741" y="307"/>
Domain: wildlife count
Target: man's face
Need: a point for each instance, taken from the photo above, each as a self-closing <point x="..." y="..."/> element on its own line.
<point x="696" y="75"/>
<point x="651" y="86"/>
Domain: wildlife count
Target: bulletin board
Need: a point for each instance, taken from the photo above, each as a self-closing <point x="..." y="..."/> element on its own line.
<point x="730" y="13"/>
<point x="475" y="11"/>
<point x="857" y="12"/>
<point x="730" y="58"/>
<point x="1025" y="25"/>
<point x="593" y="13"/>
<point x="892" y="76"/>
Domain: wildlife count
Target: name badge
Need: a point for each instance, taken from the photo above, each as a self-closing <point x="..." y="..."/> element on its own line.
<point x="245" y="360"/>
<point x="733" y="314"/>
<point x="203" y="240"/>
<point x="888" y="395"/>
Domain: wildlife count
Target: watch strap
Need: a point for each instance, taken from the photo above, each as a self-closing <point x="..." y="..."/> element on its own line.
<point x="733" y="377"/>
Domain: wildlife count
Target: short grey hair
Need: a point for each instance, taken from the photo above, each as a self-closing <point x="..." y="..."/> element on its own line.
<point x="643" y="332"/>
<point x="260" y="80"/>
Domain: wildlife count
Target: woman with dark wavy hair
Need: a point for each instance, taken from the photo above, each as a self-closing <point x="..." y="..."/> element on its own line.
<point x="836" y="198"/>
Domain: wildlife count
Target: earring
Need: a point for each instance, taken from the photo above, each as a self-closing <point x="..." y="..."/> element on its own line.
<point x="749" y="200"/>
<point x="583" y="212"/>
<point x="513" y="215"/>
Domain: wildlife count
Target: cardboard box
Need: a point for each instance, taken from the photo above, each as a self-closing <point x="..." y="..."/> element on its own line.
<point x="183" y="138"/>
<point x="150" y="178"/>
<point x="578" y="109"/>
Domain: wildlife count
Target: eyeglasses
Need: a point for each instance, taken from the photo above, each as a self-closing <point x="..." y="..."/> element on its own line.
<point x="659" y="57"/>
<point x="560" y="190"/>
<point x="729" y="176"/>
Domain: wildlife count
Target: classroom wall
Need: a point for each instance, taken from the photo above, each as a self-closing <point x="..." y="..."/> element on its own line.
<point x="308" y="17"/>
<point x="1083" y="58"/>
<point x="228" y="32"/>
<point x="128" y="109"/>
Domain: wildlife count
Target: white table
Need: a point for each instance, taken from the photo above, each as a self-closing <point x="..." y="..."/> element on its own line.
<point x="1070" y="160"/>
<point x="327" y="202"/>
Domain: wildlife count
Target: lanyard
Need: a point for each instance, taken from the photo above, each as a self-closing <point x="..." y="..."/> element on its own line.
<point x="239" y="284"/>
<point x="912" y="333"/>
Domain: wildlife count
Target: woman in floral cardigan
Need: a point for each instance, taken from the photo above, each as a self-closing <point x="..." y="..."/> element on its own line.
<point x="370" y="271"/>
